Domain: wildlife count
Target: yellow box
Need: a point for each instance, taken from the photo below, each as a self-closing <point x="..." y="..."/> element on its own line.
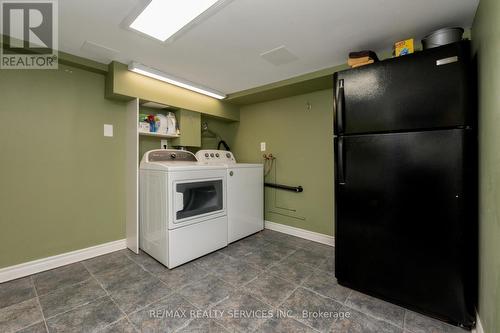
<point x="403" y="47"/>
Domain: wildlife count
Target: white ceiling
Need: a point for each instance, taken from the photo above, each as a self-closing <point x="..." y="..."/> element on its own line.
<point x="223" y="51"/>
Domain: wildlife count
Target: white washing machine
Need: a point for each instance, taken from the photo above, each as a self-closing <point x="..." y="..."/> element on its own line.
<point x="245" y="193"/>
<point x="182" y="206"/>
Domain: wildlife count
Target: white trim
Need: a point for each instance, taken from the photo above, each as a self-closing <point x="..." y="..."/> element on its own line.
<point x="479" y="326"/>
<point x="302" y="233"/>
<point x="40" y="265"/>
<point x="132" y="176"/>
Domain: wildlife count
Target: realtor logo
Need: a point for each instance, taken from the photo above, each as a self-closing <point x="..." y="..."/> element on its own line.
<point x="29" y="34"/>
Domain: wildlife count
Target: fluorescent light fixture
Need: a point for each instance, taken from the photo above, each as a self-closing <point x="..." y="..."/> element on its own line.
<point x="161" y="19"/>
<point x="156" y="74"/>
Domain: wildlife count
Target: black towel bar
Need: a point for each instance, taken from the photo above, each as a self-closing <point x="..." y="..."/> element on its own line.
<point x="297" y="189"/>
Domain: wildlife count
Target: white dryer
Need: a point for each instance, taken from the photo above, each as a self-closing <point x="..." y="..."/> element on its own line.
<point x="182" y="203"/>
<point x="245" y="193"/>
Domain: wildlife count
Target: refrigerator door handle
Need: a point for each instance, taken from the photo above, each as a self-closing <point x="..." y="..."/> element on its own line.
<point x="340" y="161"/>
<point x="340" y="107"/>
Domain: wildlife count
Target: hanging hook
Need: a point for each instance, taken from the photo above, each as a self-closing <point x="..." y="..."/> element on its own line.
<point x="308" y="106"/>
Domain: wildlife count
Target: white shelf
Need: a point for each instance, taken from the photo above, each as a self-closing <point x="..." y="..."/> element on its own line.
<point x="158" y="135"/>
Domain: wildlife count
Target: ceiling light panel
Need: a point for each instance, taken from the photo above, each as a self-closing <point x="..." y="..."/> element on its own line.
<point x="161" y="19"/>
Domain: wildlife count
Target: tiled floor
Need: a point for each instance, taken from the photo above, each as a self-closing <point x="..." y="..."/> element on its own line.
<point x="235" y="289"/>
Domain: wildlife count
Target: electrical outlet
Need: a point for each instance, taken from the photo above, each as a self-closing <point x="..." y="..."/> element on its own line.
<point x="164" y="144"/>
<point x="262" y="146"/>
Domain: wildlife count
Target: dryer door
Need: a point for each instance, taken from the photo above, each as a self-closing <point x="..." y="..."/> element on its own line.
<point x="197" y="198"/>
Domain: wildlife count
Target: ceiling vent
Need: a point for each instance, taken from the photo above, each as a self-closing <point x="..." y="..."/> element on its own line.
<point x="279" y="56"/>
<point x="99" y="52"/>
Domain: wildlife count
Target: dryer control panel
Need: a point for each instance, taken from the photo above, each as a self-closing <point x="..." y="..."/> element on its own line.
<point x="169" y="155"/>
<point x="211" y="156"/>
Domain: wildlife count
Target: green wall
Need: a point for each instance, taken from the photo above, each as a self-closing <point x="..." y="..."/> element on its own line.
<point x="61" y="181"/>
<point x="225" y="131"/>
<point x="486" y="42"/>
<point x="302" y="142"/>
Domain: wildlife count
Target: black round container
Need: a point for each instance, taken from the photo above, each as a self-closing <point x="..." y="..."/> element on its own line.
<point x="442" y="37"/>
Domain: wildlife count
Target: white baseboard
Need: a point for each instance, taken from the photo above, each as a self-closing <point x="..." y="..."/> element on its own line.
<point x="302" y="233"/>
<point x="479" y="326"/>
<point x="40" y="265"/>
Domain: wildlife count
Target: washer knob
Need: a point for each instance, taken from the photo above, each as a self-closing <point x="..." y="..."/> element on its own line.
<point x="206" y="155"/>
<point x="173" y="155"/>
<point x="212" y="155"/>
<point x="228" y="155"/>
<point x="217" y="155"/>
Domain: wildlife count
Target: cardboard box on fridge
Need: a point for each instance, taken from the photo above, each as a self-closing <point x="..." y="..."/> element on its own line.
<point x="403" y="47"/>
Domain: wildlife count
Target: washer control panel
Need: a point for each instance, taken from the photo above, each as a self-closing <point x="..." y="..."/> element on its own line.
<point x="215" y="156"/>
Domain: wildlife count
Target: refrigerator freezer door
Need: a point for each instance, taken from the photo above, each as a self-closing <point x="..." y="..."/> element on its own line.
<point x="414" y="92"/>
<point x="401" y="232"/>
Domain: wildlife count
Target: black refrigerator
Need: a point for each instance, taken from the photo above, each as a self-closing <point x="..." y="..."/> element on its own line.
<point x="405" y="182"/>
